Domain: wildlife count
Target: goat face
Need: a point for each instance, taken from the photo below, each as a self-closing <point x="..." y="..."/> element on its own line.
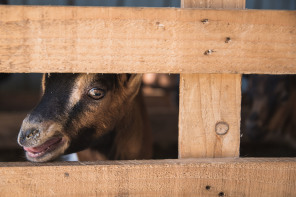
<point x="74" y="111"/>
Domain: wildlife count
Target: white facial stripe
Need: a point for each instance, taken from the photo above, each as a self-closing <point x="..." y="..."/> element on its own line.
<point x="80" y="84"/>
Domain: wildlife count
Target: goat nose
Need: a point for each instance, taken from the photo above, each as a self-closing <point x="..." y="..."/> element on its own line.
<point x="254" y="116"/>
<point x="32" y="133"/>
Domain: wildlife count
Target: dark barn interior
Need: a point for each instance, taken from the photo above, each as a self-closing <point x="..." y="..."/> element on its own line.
<point x="21" y="92"/>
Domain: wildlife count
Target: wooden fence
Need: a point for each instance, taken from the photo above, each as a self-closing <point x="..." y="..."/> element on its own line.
<point x="210" y="48"/>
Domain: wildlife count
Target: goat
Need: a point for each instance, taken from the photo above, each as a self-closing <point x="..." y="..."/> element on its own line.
<point x="102" y="114"/>
<point x="272" y="116"/>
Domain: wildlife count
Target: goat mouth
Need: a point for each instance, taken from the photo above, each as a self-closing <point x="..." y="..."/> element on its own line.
<point x="47" y="147"/>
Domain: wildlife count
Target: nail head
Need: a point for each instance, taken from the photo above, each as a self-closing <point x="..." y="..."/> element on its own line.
<point x="208" y="52"/>
<point x="227" y="40"/>
<point x="204" y="21"/>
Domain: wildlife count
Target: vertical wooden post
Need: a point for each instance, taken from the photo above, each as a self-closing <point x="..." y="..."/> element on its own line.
<point x="210" y="104"/>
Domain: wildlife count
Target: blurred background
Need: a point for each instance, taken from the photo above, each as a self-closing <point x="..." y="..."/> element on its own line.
<point x="268" y="121"/>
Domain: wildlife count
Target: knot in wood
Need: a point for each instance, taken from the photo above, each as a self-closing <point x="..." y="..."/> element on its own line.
<point x="221" y="128"/>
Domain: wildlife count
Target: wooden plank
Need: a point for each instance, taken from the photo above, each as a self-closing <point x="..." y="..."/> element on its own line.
<point x="191" y="177"/>
<point x="208" y="103"/>
<point x="141" y="40"/>
<point x="225" y="4"/>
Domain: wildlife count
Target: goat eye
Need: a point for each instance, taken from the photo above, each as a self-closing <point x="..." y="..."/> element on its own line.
<point x="96" y="93"/>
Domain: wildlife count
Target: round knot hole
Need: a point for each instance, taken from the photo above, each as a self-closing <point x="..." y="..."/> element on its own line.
<point x="221" y="128"/>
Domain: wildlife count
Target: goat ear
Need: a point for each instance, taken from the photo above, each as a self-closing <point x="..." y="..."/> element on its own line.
<point x="133" y="85"/>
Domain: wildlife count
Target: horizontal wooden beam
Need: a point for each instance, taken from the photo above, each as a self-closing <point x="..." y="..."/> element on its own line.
<point x="184" y="177"/>
<point x="141" y="40"/>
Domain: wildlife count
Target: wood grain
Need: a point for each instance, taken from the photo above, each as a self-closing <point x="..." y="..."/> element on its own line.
<point x="208" y="101"/>
<point x="205" y="100"/>
<point x="142" y="40"/>
<point x="185" y="177"/>
<point x="225" y="4"/>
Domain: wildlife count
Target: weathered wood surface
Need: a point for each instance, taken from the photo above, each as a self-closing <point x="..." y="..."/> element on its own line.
<point x="207" y="101"/>
<point x="210" y="106"/>
<point x="184" y="177"/>
<point x="141" y="40"/>
<point x="225" y="4"/>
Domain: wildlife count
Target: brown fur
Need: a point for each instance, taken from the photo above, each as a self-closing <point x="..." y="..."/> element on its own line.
<point x="129" y="142"/>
